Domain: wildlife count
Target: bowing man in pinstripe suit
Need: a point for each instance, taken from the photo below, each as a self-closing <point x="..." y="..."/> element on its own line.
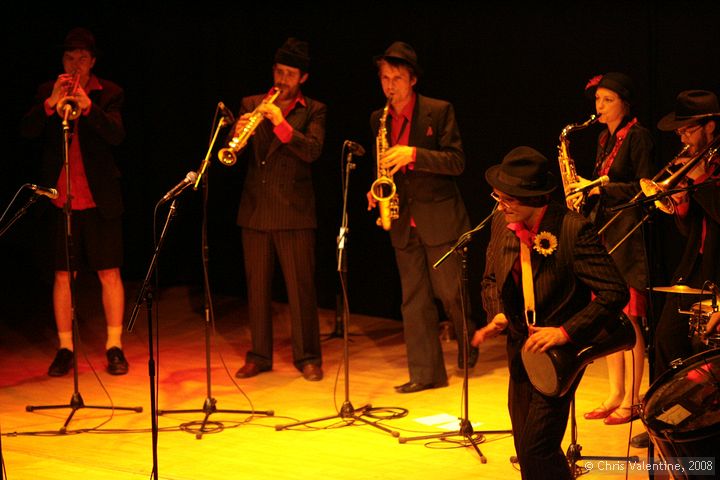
<point x="568" y="263"/>
<point x="277" y="213"/>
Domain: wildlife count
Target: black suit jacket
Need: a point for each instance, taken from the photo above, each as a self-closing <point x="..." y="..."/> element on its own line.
<point x="563" y="280"/>
<point x="428" y="193"/>
<point x="99" y="132"/>
<point x="278" y="192"/>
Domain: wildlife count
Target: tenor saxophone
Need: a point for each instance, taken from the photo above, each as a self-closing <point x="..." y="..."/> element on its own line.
<point x="383" y="189"/>
<point x="568" y="174"/>
<point x="228" y="155"/>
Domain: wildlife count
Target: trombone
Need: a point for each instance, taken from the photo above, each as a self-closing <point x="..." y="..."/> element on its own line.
<point x="650" y="188"/>
<point x="665" y="169"/>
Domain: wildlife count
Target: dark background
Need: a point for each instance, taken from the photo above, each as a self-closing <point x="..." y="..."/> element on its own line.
<point x="514" y="73"/>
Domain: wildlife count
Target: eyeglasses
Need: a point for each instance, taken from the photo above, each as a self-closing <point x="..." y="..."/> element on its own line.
<point x="506" y="202"/>
<point x="687" y="130"/>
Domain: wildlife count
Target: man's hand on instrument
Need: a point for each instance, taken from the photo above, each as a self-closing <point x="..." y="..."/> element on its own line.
<point x="542" y="338"/>
<point x="272" y="112"/>
<point x="491" y="330"/>
<point x="372" y="203"/>
<point x="397" y="157"/>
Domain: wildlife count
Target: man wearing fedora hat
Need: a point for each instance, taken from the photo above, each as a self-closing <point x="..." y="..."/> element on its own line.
<point x="542" y="264"/>
<point x="696" y="121"/>
<point x="425" y="157"/>
<point x="277" y="212"/>
<point x="96" y="200"/>
<point x="697" y="215"/>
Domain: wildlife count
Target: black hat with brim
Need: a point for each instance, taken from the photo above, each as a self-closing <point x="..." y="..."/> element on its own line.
<point x="522" y="173"/>
<point x="691" y="106"/>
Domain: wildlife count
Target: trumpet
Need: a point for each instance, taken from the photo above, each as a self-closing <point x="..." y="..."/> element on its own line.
<point x="68" y="107"/>
<point x="665" y="170"/>
<point x="228" y="155"/>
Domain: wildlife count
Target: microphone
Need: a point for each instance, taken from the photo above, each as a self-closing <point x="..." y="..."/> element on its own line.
<point x="226" y="112"/>
<point x="355" y="148"/>
<point x="177" y="189"/>
<point x="51" y="193"/>
<point x="598" y="182"/>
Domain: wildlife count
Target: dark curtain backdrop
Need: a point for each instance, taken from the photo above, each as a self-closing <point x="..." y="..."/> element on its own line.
<point x="515" y="74"/>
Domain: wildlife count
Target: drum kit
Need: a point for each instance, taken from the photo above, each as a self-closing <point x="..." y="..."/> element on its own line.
<point x="681" y="409"/>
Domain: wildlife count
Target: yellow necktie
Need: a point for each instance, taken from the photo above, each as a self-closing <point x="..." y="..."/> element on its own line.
<point x="527" y="283"/>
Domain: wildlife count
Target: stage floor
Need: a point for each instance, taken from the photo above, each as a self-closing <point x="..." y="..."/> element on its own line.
<point x="105" y="444"/>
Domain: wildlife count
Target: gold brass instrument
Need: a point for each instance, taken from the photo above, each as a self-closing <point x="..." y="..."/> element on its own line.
<point x="68" y="107"/>
<point x="661" y="173"/>
<point x="228" y="155"/>
<point x="383" y="189"/>
<point x="650" y="187"/>
<point x="568" y="173"/>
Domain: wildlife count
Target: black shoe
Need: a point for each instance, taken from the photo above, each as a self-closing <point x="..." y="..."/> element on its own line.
<point x="412" y="387"/>
<point x="641" y="440"/>
<point x="62" y="364"/>
<point x="472" y="358"/>
<point x="117" y="365"/>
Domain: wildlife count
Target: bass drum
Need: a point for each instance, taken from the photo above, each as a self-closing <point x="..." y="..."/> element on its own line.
<point x="681" y="412"/>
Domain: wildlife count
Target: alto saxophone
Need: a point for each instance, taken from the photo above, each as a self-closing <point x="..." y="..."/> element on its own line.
<point x="568" y="174"/>
<point x="383" y="189"/>
<point x="228" y="155"/>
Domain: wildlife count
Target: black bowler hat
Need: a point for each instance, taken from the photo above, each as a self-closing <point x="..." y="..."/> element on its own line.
<point x="80" y="39"/>
<point x="522" y="173"/>
<point x="401" y="52"/>
<point x="691" y="106"/>
<point x="615" y="81"/>
<point x="294" y="53"/>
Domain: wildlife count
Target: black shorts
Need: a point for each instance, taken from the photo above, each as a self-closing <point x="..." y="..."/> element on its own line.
<point x="97" y="241"/>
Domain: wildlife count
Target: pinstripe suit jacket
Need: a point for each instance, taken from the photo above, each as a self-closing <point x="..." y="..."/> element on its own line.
<point x="278" y="192"/>
<point x="563" y="280"/>
<point x="428" y="193"/>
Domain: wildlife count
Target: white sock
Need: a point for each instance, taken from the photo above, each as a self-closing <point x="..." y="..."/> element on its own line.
<point x="113" y="337"/>
<point x="66" y="340"/>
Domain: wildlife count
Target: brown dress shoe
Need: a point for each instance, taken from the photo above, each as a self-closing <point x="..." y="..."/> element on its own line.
<point x="250" y="369"/>
<point x="312" y="372"/>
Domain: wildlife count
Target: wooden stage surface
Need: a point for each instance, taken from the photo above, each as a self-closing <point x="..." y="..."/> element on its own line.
<point x="104" y="444"/>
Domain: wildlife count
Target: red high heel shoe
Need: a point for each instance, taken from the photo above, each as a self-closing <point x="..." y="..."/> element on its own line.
<point x="600" y="412"/>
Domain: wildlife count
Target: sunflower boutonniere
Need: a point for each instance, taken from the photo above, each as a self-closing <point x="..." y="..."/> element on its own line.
<point x="545" y="243"/>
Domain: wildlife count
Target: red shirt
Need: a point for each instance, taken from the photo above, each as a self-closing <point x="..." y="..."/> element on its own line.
<point x="284" y="130"/>
<point x="82" y="198"/>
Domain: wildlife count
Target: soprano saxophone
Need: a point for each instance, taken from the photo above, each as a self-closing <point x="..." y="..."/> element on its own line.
<point x="568" y="174"/>
<point x="383" y="189"/>
<point x="228" y="155"/>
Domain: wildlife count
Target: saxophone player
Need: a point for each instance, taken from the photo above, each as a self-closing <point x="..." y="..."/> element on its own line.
<point x="425" y="156"/>
<point x="624" y="155"/>
<point x="277" y="212"/>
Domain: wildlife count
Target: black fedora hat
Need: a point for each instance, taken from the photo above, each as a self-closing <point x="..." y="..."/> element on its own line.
<point x="401" y="52"/>
<point x="618" y="82"/>
<point x="294" y="53"/>
<point x="80" y="39"/>
<point x="691" y="106"/>
<point x="522" y="173"/>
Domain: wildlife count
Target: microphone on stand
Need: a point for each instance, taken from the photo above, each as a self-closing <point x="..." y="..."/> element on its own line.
<point x="598" y="182"/>
<point x="177" y="189"/>
<point x="226" y="112"/>
<point x="51" y="193"/>
<point x="355" y="148"/>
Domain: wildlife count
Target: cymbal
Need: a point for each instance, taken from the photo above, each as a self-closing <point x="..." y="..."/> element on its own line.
<point x="682" y="289"/>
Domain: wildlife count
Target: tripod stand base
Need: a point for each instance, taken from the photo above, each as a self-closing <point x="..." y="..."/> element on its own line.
<point x="347" y="413"/>
<point x="76" y="403"/>
<point x="210" y="407"/>
<point x="466" y="432"/>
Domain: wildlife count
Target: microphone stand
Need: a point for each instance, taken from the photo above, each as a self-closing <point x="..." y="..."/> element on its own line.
<point x="76" y="401"/>
<point x="466" y="429"/>
<point x="22" y="211"/>
<point x="347" y="412"/>
<point x="210" y="404"/>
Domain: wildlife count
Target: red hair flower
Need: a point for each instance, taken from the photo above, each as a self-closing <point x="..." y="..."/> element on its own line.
<point x="593" y="81"/>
